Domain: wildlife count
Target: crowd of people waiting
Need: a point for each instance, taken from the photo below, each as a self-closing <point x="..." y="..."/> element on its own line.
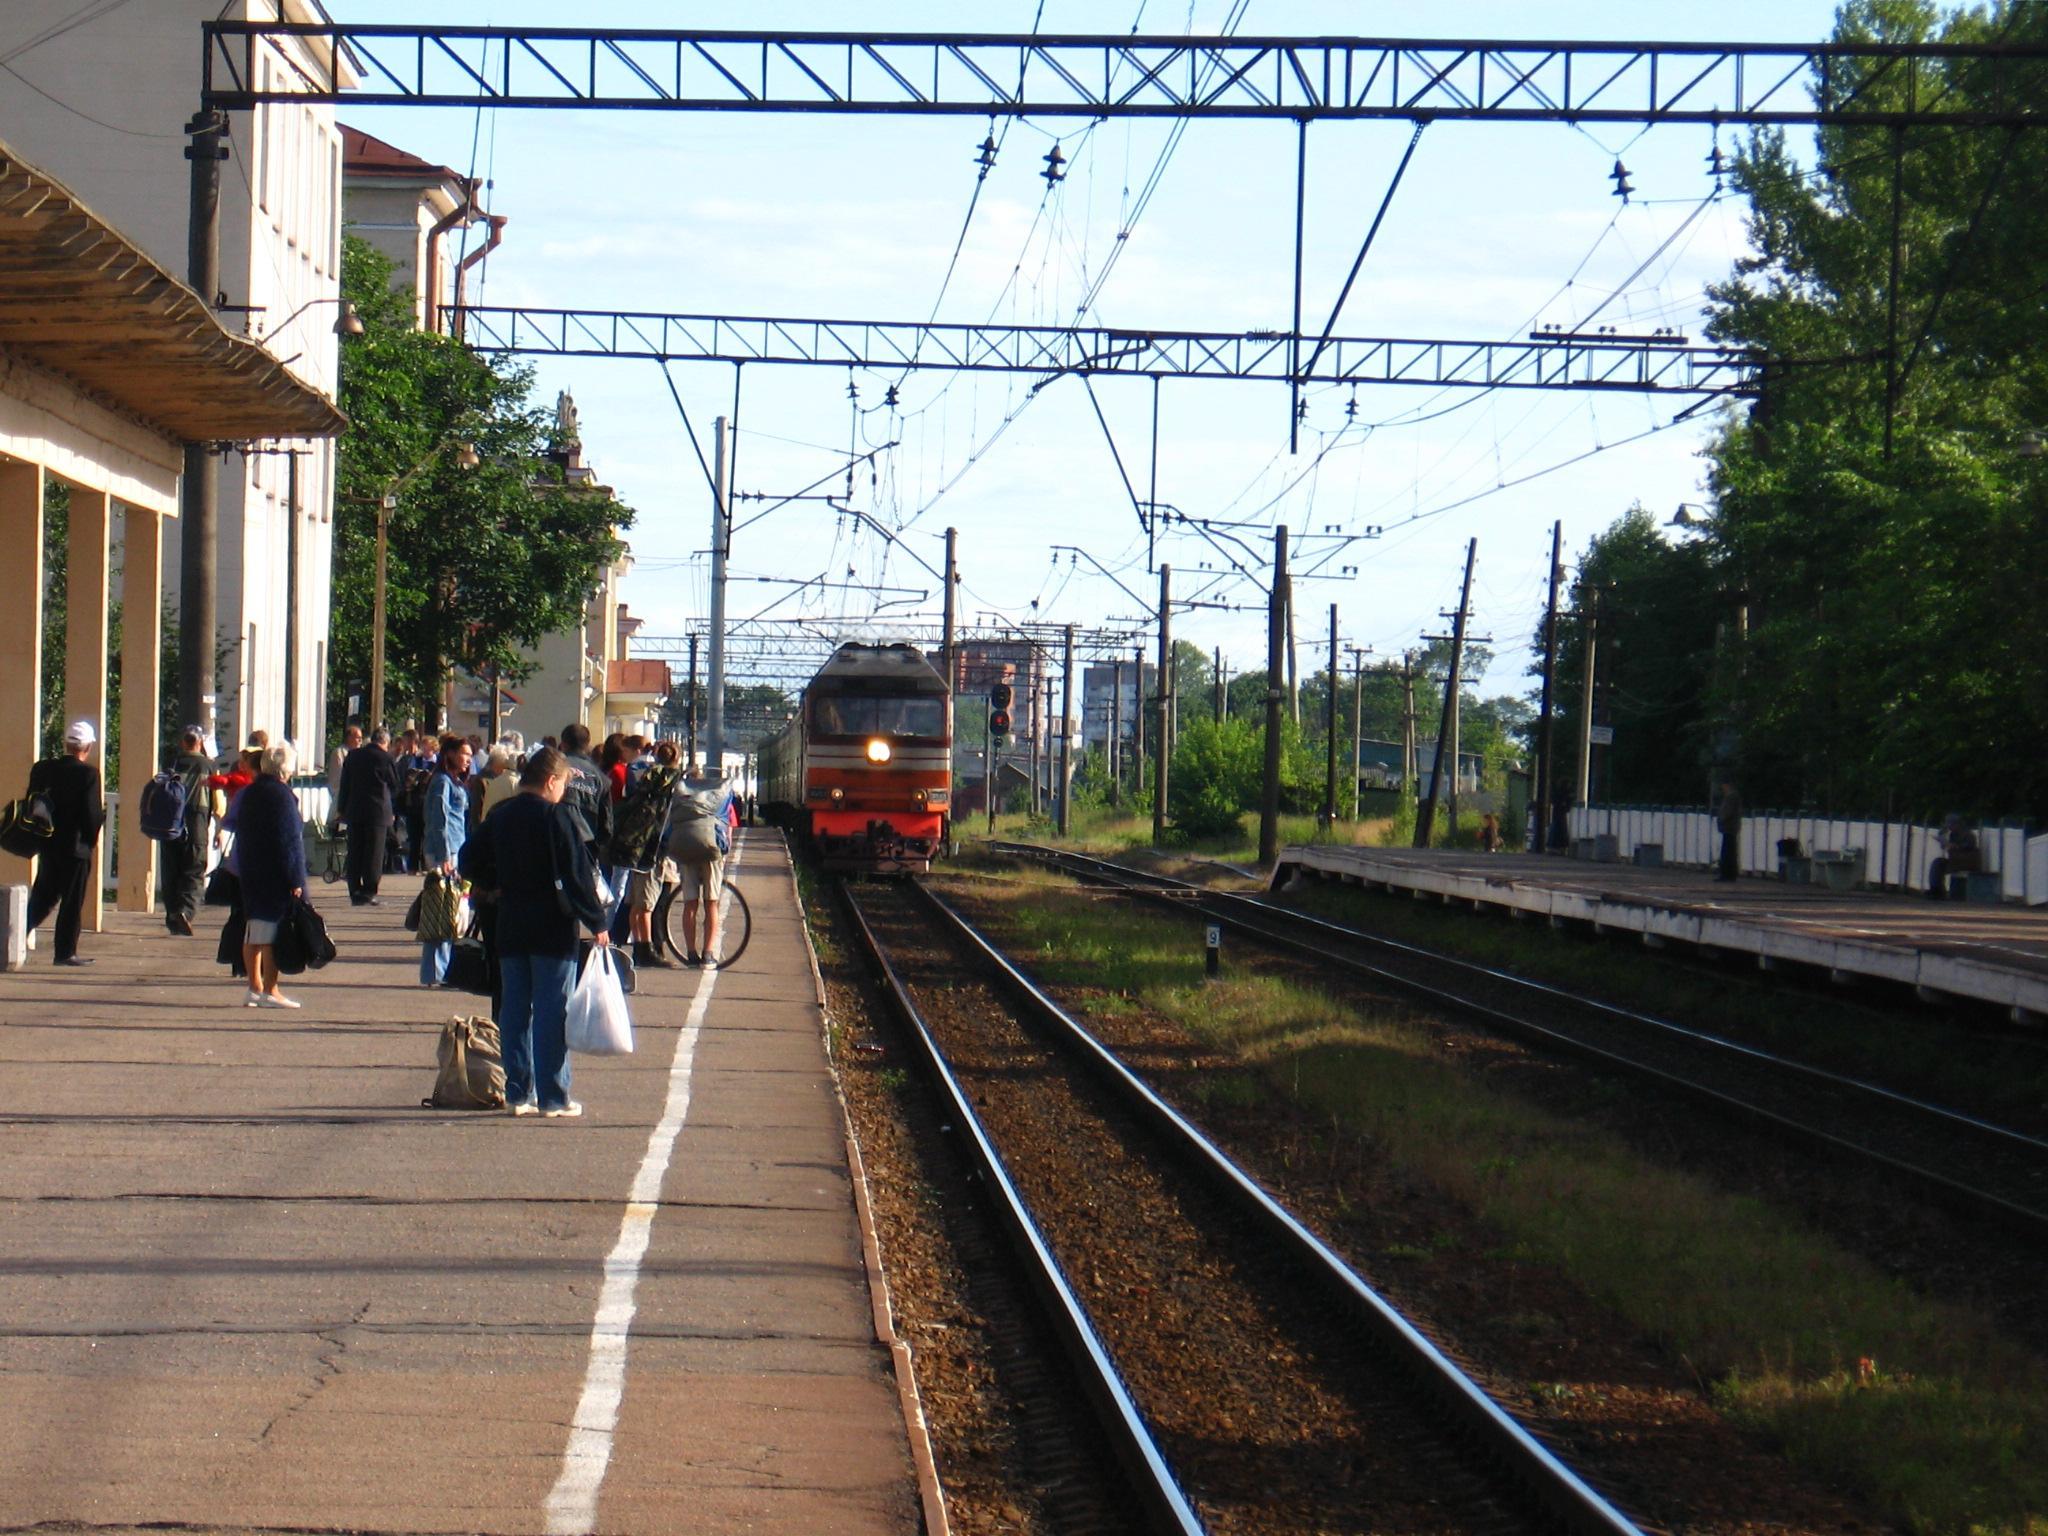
<point x="560" y="847"/>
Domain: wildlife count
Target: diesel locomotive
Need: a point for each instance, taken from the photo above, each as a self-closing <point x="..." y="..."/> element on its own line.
<point x="864" y="770"/>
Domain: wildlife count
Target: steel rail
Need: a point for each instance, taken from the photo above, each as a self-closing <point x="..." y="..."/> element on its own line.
<point x="1152" y="1481"/>
<point x="1227" y="908"/>
<point x="1540" y="1476"/>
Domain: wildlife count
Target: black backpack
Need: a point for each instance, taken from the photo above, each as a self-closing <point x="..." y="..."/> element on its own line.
<point x="162" y="808"/>
<point x="637" y="820"/>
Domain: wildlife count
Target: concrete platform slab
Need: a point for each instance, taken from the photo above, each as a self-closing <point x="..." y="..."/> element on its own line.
<point x="1980" y="952"/>
<point x="247" y="1283"/>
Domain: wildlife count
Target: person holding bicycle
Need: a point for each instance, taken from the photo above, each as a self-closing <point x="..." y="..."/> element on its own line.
<point x="699" y="837"/>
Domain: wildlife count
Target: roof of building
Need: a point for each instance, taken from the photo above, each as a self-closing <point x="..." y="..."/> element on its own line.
<point x="364" y="154"/>
<point x="81" y="301"/>
<point x="631" y="676"/>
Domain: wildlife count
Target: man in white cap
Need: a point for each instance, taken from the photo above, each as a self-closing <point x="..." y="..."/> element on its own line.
<point x="77" y="811"/>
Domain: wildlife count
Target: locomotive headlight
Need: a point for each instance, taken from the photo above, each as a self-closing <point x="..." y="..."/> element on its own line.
<point x="878" y="751"/>
<point x="838" y="794"/>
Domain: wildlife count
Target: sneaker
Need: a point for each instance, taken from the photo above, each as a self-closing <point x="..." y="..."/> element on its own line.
<point x="253" y="1000"/>
<point x="275" y="1000"/>
<point x="524" y="1107"/>
<point x="568" y="1111"/>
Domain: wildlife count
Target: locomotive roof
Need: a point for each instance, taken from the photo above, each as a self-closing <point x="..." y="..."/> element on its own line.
<point x="898" y="667"/>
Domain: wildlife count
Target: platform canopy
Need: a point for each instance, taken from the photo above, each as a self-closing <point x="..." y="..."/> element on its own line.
<point x="81" y="301"/>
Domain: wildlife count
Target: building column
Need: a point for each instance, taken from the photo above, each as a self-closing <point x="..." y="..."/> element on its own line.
<point x="85" y="651"/>
<point x="21" y="639"/>
<point x="142" y="564"/>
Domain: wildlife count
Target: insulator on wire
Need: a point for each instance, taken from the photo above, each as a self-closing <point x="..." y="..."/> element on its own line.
<point x="1623" y="189"/>
<point x="1055" y="166"/>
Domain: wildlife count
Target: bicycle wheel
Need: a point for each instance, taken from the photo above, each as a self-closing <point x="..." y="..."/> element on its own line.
<point x="735" y="928"/>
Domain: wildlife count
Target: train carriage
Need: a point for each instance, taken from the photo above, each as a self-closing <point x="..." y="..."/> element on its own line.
<point x="864" y="771"/>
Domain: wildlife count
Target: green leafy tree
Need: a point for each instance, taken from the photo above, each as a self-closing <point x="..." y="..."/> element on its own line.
<point x="482" y="562"/>
<point x="1895" y="653"/>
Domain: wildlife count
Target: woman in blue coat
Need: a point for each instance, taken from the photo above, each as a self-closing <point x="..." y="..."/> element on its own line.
<point x="446" y="829"/>
<point x="270" y="854"/>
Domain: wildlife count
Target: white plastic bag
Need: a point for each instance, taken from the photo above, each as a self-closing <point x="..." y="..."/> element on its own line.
<point x="598" y="1024"/>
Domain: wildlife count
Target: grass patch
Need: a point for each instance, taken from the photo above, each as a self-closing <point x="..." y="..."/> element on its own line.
<point x="1917" y="1404"/>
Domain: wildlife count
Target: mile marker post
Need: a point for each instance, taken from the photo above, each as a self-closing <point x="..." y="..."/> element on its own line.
<point x="1212" y="952"/>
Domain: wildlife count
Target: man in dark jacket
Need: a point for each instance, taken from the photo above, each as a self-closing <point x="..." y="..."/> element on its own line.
<point x="369" y="784"/>
<point x="589" y="793"/>
<point x="185" y="857"/>
<point x="77" y="811"/>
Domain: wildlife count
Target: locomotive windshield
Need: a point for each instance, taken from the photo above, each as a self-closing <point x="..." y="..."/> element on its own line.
<point x="861" y="715"/>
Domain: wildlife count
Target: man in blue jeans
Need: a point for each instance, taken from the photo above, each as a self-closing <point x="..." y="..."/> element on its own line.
<point x="530" y="852"/>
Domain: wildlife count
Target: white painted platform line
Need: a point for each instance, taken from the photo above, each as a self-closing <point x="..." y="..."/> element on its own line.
<point x="572" y="1505"/>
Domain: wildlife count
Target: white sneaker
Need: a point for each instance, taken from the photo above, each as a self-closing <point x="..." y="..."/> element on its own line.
<point x="253" y="1000"/>
<point x="275" y="1000"/>
<point x="524" y="1107"/>
<point x="568" y="1111"/>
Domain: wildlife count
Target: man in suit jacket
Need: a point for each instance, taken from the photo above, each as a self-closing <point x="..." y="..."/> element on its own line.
<point x="77" y="811"/>
<point x="369" y="783"/>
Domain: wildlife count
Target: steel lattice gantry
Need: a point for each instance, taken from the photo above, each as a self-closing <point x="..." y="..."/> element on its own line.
<point x="1577" y="362"/>
<point x="1291" y="78"/>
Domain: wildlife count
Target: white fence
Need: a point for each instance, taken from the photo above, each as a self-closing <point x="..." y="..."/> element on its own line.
<point x="1895" y="853"/>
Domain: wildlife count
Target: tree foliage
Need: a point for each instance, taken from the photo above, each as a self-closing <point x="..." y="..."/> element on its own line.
<point x="1895" y="653"/>
<point x="481" y="562"/>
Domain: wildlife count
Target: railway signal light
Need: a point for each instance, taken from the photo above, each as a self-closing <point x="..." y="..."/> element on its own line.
<point x="999" y="696"/>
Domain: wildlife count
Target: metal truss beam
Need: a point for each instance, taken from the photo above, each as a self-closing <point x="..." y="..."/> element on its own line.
<point x="1578" y="362"/>
<point x="1291" y="78"/>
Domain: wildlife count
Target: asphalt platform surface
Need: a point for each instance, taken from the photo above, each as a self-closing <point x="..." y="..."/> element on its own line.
<point x="248" y="1284"/>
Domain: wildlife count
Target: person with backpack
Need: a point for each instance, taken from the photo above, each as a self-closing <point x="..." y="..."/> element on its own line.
<point x="177" y="812"/>
<point x="699" y="837"/>
<point x="77" y="812"/>
<point x="636" y="848"/>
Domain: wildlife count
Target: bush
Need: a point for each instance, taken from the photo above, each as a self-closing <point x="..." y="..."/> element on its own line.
<point x="1215" y="776"/>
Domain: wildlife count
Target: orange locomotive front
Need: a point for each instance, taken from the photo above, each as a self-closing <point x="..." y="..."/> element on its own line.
<point x="875" y="762"/>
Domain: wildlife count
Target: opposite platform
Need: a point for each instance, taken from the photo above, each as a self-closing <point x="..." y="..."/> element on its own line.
<point x="249" y="1284"/>
<point x="1984" y="953"/>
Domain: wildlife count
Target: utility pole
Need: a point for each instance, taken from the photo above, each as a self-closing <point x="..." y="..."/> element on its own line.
<point x="1031" y="688"/>
<point x="1586" y="702"/>
<point x="1116" y="731"/>
<point x="1137" y="716"/>
<point x="199" y="496"/>
<point x="1276" y="696"/>
<point x="1046" y="760"/>
<point x="721" y="550"/>
<point x="1222" y="692"/>
<point x="384" y="505"/>
<point x="1546" y="784"/>
<point x="1067" y="736"/>
<point x="1358" y="655"/>
<point x="1293" y="665"/>
<point x="1410" y="769"/>
<point x="1425" y="822"/>
<point x="690" y="713"/>
<point x="1330" y="733"/>
<point x="1165" y="703"/>
<point x="952" y="581"/>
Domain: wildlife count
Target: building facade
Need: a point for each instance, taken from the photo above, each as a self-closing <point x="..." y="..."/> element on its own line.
<point x="102" y="101"/>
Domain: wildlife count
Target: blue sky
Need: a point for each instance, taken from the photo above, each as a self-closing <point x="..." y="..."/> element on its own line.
<point x="1495" y="226"/>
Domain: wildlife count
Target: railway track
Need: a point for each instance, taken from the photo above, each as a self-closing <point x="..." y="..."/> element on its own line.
<point x="1246" y="1378"/>
<point x="1952" y="1156"/>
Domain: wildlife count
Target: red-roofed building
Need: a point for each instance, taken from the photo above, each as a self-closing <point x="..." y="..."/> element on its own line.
<point x="415" y="212"/>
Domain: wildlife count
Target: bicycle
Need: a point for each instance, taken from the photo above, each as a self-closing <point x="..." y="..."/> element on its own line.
<point x="735" y="927"/>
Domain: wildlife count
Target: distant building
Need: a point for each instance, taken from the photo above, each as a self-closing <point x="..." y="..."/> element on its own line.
<point x="1379" y="766"/>
<point x="1112" y="696"/>
<point x="415" y="212"/>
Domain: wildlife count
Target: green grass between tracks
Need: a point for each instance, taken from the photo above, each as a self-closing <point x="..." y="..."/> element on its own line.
<point x="1918" y="1405"/>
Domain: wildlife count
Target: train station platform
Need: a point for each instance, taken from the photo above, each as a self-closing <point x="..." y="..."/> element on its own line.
<point x="1984" y="952"/>
<point x="249" y="1284"/>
